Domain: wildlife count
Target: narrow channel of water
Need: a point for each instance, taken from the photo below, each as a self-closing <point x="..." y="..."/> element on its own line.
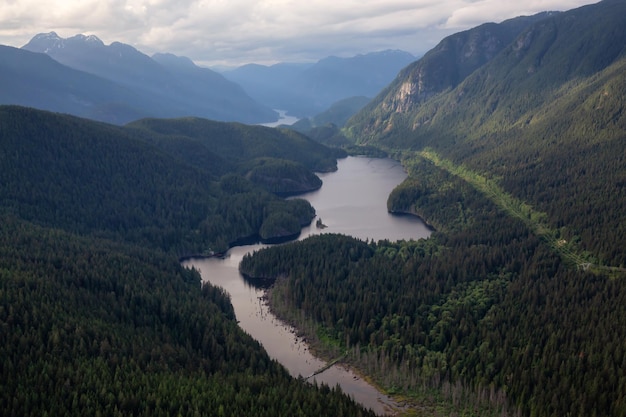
<point x="351" y="201"/>
<point x="283" y="119"/>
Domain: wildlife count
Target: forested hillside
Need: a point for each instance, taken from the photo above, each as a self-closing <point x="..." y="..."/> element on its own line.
<point x="544" y="118"/>
<point x="280" y="161"/>
<point x="324" y="127"/>
<point x="86" y="177"/>
<point x="514" y="305"/>
<point x="160" y="86"/>
<point x="235" y="143"/>
<point x="97" y="315"/>
<point x="94" y="327"/>
<point x="484" y="319"/>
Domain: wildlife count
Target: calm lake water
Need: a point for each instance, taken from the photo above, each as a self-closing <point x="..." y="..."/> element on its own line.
<point x="283" y="119"/>
<point x="352" y="201"/>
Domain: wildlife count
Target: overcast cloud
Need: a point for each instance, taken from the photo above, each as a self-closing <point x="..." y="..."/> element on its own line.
<point x="234" y="32"/>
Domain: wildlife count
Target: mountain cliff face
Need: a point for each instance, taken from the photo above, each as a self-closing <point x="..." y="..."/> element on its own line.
<point x="455" y="58"/>
<point x="441" y="69"/>
<point x="178" y="86"/>
<point x="488" y="81"/>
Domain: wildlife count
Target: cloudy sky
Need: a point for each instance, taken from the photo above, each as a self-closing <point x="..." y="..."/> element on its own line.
<point x="234" y="32"/>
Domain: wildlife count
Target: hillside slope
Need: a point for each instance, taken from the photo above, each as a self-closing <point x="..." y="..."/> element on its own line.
<point x="36" y="80"/>
<point x="97" y="179"/>
<point x="544" y="118"/>
<point x="237" y="143"/>
<point x="163" y="86"/>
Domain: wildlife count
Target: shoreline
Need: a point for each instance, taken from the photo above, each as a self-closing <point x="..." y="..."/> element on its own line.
<point x="413" y="214"/>
<point x="332" y="358"/>
<point x="244" y="241"/>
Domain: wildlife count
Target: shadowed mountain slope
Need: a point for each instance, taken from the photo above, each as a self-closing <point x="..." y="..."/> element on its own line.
<point x="163" y="86"/>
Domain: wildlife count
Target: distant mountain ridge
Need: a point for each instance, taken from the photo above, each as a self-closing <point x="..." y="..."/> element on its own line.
<point x="308" y="89"/>
<point x="162" y="87"/>
<point x="118" y="62"/>
<point x="38" y="81"/>
<point x="166" y="85"/>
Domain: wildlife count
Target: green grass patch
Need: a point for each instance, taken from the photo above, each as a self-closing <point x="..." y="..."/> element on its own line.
<point x="535" y="220"/>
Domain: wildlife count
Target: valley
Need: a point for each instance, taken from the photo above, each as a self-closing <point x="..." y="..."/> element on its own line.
<point x="348" y="210"/>
<point x="517" y="164"/>
<point x="495" y="290"/>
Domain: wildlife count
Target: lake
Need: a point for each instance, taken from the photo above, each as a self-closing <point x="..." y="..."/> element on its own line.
<point x="352" y="201"/>
<point x="283" y="119"/>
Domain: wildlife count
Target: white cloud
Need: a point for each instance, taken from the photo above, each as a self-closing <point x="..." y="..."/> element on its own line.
<point x="241" y="31"/>
<point x="472" y="13"/>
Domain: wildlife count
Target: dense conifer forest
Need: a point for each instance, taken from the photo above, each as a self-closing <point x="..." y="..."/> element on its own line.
<point x="485" y="307"/>
<point x="514" y="305"/>
<point x="97" y="315"/>
<point x="95" y="327"/>
<point x="86" y="177"/>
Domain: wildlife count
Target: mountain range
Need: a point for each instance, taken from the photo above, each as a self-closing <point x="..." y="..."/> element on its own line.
<point x="514" y="138"/>
<point x="305" y="90"/>
<point x="116" y="83"/>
